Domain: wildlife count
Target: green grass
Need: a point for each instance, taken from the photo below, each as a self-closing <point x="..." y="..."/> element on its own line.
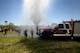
<point x="12" y="45"/>
<point x="22" y="45"/>
<point x="11" y="32"/>
<point x="52" y="46"/>
<point x="8" y="33"/>
<point x="1" y="33"/>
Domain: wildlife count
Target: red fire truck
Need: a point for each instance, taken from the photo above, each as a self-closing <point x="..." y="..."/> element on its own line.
<point x="64" y="29"/>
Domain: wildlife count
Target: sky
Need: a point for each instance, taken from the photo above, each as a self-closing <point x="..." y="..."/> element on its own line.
<point x="57" y="11"/>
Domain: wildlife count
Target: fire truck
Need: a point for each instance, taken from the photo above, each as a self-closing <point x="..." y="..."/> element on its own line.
<point x="65" y="29"/>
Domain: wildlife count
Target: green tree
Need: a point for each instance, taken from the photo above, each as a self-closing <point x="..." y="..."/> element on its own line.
<point x="11" y="26"/>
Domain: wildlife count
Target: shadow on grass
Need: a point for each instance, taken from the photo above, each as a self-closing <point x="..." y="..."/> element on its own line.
<point x="38" y="45"/>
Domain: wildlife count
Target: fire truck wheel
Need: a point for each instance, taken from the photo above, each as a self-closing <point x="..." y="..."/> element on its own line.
<point x="47" y="34"/>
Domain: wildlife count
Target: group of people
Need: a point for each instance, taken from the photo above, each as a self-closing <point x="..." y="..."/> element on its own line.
<point x="25" y="32"/>
<point x="19" y="31"/>
<point x="4" y="31"/>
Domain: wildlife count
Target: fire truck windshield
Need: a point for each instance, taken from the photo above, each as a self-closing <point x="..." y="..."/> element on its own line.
<point x="54" y="26"/>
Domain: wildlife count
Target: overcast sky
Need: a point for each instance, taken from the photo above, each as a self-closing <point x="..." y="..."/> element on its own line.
<point x="57" y="11"/>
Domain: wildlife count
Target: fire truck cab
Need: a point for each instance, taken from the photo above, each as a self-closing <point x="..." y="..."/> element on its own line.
<point x="62" y="29"/>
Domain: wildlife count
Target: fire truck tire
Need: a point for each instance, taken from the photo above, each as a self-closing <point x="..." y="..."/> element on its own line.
<point x="46" y="34"/>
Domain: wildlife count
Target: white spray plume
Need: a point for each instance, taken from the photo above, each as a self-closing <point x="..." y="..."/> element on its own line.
<point x="29" y="3"/>
<point x="33" y="9"/>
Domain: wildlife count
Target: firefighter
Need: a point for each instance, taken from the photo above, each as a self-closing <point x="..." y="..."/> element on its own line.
<point x="25" y="33"/>
<point x="32" y="33"/>
<point x="5" y="31"/>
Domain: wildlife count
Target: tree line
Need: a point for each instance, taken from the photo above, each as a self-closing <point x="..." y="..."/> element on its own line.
<point x="9" y="26"/>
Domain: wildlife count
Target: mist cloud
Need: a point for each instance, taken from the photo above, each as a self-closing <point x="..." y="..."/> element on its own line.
<point x="33" y="12"/>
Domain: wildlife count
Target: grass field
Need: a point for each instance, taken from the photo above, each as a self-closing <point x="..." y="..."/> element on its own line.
<point x="22" y="45"/>
<point x="8" y="33"/>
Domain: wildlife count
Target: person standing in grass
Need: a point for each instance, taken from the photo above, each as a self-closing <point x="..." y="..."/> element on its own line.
<point x="25" y="33"/>
<point x="32" y="33"/>
<point x="5" y="31"/>
<point x="18" y="31"/>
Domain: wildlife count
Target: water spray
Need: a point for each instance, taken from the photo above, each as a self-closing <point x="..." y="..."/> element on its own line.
<point x="35" y="10"/>
<point x="36" y="14"/>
